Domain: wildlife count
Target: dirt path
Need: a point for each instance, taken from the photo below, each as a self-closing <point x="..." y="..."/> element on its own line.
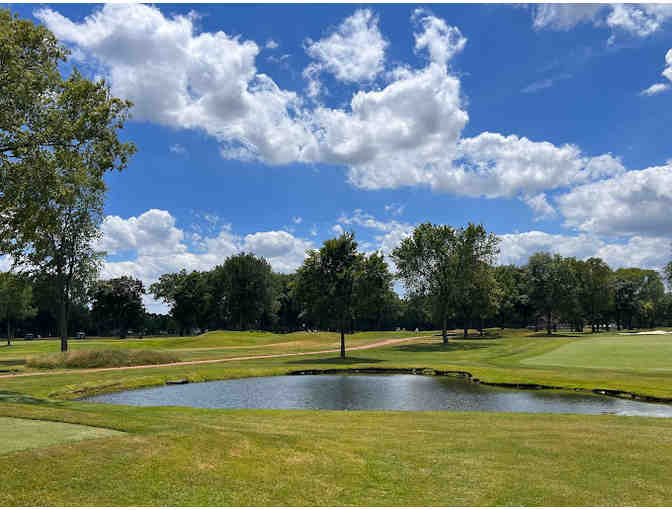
<point x="380" y="343"/>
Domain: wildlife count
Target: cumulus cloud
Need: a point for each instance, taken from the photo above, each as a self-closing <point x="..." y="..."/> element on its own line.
<point x="353" y="53"/>
<point x="657" y="88"/>
<point x="539" y="204"/>
<point x="441" y="41"/>
<point x="405" y="133"/>
<point x="271" y="44"/>
<point x="640" y="20"/>
<point x="644" y="252"/>
<point x="390" y="233"/>
<point x="179" y="78"/>
<point x="564" y="16"/>
<point x="634" y="203"/>
<point x="153" y="245"/>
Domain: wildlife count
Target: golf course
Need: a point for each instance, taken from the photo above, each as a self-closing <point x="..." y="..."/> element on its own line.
<point x="58" y="450"/>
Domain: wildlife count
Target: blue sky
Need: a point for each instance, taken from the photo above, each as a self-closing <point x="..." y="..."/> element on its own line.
<point x="270" y="128"/>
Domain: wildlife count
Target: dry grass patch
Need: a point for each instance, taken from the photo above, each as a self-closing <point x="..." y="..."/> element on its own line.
<point x="101" y="359"/>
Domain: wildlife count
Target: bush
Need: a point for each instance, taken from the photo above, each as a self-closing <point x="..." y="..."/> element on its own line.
<point x="101" y="359"/>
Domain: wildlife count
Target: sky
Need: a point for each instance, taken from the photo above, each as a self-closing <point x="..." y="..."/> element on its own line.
<point x="271" y="128"/>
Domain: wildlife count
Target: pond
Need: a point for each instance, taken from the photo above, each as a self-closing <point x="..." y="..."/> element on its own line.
<point x="377" y="392"/>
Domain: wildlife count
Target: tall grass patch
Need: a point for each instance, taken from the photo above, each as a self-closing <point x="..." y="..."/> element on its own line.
<point x="101" y="359"/>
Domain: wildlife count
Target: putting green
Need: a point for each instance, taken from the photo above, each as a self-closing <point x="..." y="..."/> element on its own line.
<point x="636" y="352"/>
<point x="18" y="434"/>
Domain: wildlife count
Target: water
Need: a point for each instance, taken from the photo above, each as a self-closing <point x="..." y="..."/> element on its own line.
<point x="381" y="392"/>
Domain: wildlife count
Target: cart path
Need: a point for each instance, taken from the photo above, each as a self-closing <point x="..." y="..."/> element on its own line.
<point x="380" y="343"/>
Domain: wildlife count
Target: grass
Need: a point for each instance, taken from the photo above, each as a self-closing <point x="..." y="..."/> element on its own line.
<point x="17" y="434"/>
<point x="202" y="457"/>
<point x="101" y="359"/>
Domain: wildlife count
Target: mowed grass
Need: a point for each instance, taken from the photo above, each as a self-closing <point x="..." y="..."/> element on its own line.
<point x="636" y="352"/>
<point x="181" y="456"/>
<point x="201" y="457"/>
<point x="20" y="434"/>
<point x="212" y="345"/>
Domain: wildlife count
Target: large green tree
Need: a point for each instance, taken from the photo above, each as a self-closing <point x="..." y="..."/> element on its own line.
<point x="118" y="302"/>
<point x="326" y="281"/>
<point x="551" y="285"/>
<point x="15" y="300"/>
<point x="426" y="265"/>
<point x="58" y="137"/>
<point x="188" y="295"/>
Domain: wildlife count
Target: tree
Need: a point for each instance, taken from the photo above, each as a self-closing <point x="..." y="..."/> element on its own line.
<point x="474" y="288"/>
<point x="187" y="295"/>
<point x="326" y="281"/>
<point x="247" y="287"/>
<point x="426" y="265"/>
<point x="15" y="300"/>
<point x="58" y="137"/>
<point x="551" y="285"/>
<point x="119" y="301"/>
<point x="373" y="289"/>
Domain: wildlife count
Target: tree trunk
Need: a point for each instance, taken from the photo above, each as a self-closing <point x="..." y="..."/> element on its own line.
<point x="63" y="324"/>
<point x="548" y="323"/>
<point x="444" y="330"/>
<point x="342" y="338"/>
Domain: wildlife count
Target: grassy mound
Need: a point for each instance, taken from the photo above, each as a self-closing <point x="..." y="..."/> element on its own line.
<point x="101" y="359"/>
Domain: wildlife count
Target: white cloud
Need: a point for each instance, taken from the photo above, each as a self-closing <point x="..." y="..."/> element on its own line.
<point x="391" y="232"/>
<point x="353" y="53"/>
<point x="545" y="83"/>
<point x="395" y="209"/>
<point x="178" y="149"/>
<point x="639" y="20"/>
<point x="407" y="133"/>
<point x="564" y="16"/>
<point x="271" y="44"/>
<point x="657" y="88"/>
<point x="648" y="253"/>
<point x="179" y="78"/>
<point x="297" y="219"/>
<point x="539" y="204"/>
<point x="633" y="203"/>
<point x="654" y="89"/>
<point x="442" y="41"/>
<point x="282" y="250"/>
<point x="337" y="229"/>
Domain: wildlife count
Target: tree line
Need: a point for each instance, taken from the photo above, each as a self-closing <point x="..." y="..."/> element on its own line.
<point x="449" y="275"/>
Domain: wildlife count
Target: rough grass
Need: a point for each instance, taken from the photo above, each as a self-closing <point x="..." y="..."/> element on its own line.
<point x="188" y="457"/>
<point x="101" y="359"/>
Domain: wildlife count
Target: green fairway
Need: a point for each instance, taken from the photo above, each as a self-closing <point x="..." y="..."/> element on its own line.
<point x="17" y="434"/>
<point x="201" y="457"/>
<point x="633" y="352"/>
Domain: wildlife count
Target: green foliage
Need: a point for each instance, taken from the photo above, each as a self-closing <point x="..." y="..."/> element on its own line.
<point x="453" y="268"/>
<point x="16" y="297"/>
<point x="551" y="284"/>
<point x="102" y="359"/>
<point x="187" y="295"/>
<point x="58" y="137"/>
<point x="119" y="301"/>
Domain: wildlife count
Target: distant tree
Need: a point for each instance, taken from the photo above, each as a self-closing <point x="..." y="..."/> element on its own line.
<point x="551" y="285"/>
<point x="373" y="290"/>
<point x="475" y="293"/>
<point x="248" y="291"/>
<point x="58" y="137"/>
<point x="119" y="301"/>
<point x="15" y="300"/>
<point x="515" y="307"/>
<point x="187" y="295"/>
<point x="287" y="308"/>
<point x="426" y="265"/>
<point x="637" y="294"/>
<point x="326" y="281"/>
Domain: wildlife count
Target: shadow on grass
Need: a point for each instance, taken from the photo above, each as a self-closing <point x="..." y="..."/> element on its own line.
<point x="435" y="347"/>
<point x="19" y="398"/>
<point x="333" y="361"/>
<point x="555" y="335"/>
<point x="12" y="362"/>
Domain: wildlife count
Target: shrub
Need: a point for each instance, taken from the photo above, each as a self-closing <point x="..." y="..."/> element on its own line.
<point x="101" y="359"/>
